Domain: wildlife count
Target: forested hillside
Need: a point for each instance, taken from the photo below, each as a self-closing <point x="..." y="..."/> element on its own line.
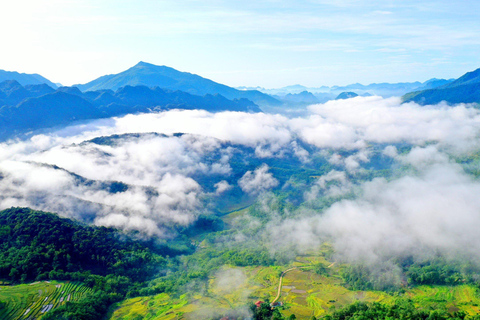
<point x="38" y="245"/>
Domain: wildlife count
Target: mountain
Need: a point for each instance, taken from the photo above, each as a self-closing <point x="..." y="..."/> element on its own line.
<point x="150" y="75"/>
<point x="303" y="97"/>
<point x="465" y="89"/>
<point x="325" y="93"/>
<point x="24" y="78"/>
<point x="435" y="83"/>
<point x="381" y="89"/>
<point x="293" y="89"/>
<point x="346" y="95"/>
<point x="36" y="107"/>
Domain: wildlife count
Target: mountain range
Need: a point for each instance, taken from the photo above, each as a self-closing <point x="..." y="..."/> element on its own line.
<point x="31" y="102"/>
<point x="325" y="93"/>
<point x="32" y="107"/>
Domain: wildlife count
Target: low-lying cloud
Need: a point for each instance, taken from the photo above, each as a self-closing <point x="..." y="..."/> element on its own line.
<point x="257" y="181"/>
<point x="349" y="123"/>
<point x="61" y="172"/>
<point x="434" y="211"/>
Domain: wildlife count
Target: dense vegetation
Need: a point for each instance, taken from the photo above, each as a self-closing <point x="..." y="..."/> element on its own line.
<point x="90" y="307"/>
<point x="37" y="245"/>
<point x="433" y="271"/>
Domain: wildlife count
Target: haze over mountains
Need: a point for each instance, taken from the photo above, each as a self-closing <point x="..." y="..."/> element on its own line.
<point x="32" y="102"/>
<point x="385" y="90"/>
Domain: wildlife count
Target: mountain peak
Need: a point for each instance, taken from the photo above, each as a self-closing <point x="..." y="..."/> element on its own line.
<point x="167" y="78"/>
<point x="144" y="64"/>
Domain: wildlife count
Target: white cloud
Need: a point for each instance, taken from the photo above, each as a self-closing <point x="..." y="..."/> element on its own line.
<point x="351" y="124"/>
<point x="335" y="183"/>
<point x="159" y="169"/>
<point x="436" y="211"/>
<point x="222" y="186"/>
<point x="390" y="151"/>
<point x="424" y="157"/>
<point x="258" y="181"/>
<point x="374" y="119"/>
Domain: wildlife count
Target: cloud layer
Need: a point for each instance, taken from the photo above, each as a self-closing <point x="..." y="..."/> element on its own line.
<point x="434" y="211"/>
<point x="147" y="180"/>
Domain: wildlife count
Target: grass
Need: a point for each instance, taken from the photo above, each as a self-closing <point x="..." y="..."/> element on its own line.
<point x="31" y="301"/>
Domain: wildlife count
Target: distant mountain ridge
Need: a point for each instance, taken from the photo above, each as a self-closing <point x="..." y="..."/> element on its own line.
<point x="36" y="107"/>
<point x="303" y="97"/>
<point x="385" y="90"/>
<point x="151" y="75"/>
<point x="25" y="79"/>
<point x="465" y="89"/>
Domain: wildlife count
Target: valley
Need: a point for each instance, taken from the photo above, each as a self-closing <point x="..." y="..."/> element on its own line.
<point x="159" y="194"/>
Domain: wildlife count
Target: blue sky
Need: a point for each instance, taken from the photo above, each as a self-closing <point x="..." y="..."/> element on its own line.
<point x="254" y="43"/>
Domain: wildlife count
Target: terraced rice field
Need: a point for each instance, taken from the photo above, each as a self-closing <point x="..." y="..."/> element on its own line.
<point x="305" y="293"/>
<point x="32" y="301"/>
<point x="158" y="307"/>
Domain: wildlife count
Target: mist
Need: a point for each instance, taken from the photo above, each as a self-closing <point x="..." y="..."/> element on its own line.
<point x="434" y="211"/>
<point x="155" y="178"/>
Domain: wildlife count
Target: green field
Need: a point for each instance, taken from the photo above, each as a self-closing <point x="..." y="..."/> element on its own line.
<point x="31" y="301"/>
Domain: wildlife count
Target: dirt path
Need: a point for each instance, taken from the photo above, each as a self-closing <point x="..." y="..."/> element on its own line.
<point x="281" y="280"/>
<point x="280" y="284"/>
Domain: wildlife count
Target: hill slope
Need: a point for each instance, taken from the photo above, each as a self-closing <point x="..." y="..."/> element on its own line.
<point x="150" y="75"/>
<point x="465" y="89"/>
<point x="468" y="78"/>
<point x="40" y="245"/>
